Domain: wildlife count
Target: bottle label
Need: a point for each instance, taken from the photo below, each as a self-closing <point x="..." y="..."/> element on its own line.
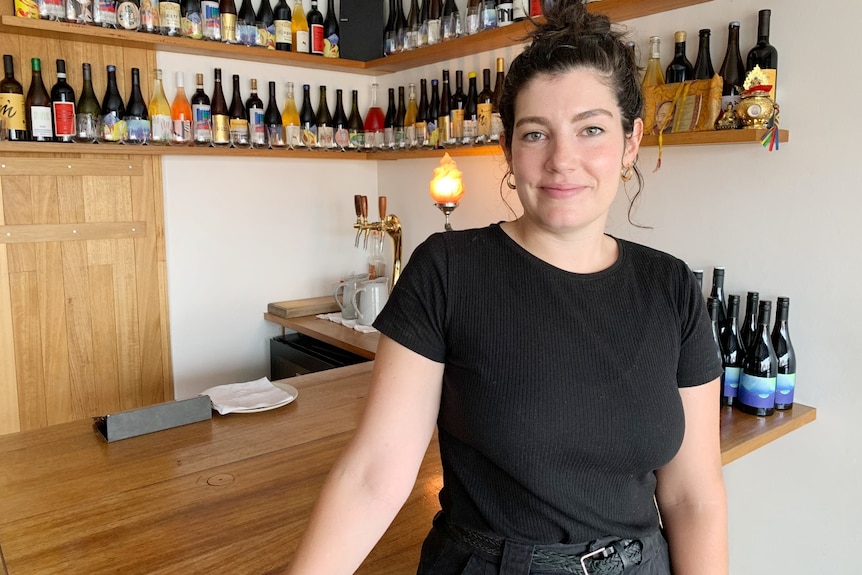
<point x="489" y="15"/>
<point x="456" y="127"/>
<point x="309" y="136"/>
<point x="374" y="139"/>
<point x="357" y="139"/>
<point x="238" y="128"/>
<point x="192" y="25"/>
<point x="161" y="128"/>
<point x="342" y="138"/>
<point x="505" y="13"/>
<point x="137" y="130"/>
<point x="301" y="42"/>
<point x="399" y="138"/>
<point x="483" y="113"/>
<point x="169" y="14"/>
<point x="12" y="110"/>
<point x="433" y="31"/>
<point x="421" y="133"/>
<point x="64" y="119"/>
<point x="256" y="127"/>
<point x="317" y="39"/>
<point x="772" y="80"/>
<point x="410" y="136"/>
<point x="51" y="9"/>
<point x="266" y="36"/>
<point x="211" y="20"/>
<point x="228" y="28"/>
<point x="221" y="129"/>
<point x="785" y="387"/>
<point x="113" y="128"/>
<point x="330" y="47"/>
<point x="246" y="33"/>
<point x="293" y="136"/>
<point x="149" y="16"/>
<point x="181" y="132"/>
<point x="389" y="137"/>
<point x="128" y="16"/>
<point x="471" y="130"/>
<point x="433" y="134"/>
<point x="283" y="34"/>
<point x="41" y="122"/>
<point x="472" y="22"/>
<point x="104" y="12"/>
<point x="325" y="136"/>
<point x="496" y="126"/>
<point x="202" y="123"/>
<point x="730" y="382"/>
<point x="757" y="391"/>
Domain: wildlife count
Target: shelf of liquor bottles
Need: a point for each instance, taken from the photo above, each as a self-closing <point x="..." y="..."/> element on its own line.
<point x="617" y="10"/>
<point x="686" y="139"/>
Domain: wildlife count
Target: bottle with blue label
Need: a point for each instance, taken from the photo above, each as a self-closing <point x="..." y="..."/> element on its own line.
<point x="786" y="378"/>
<point x="760" y="369"/>
<point x="731" y="353"/>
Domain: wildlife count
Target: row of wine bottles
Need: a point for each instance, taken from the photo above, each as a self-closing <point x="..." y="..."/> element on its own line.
<point x="759" y="364"/>
<point x="271" y="27"/>
<point x="441" y="120"/>
<point x="732" y="70"/>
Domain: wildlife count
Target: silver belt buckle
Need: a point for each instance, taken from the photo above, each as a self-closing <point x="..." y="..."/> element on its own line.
<point x="589" y="555"/>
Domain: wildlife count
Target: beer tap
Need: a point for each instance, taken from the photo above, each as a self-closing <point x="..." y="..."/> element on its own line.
<point x="387" y="224"/>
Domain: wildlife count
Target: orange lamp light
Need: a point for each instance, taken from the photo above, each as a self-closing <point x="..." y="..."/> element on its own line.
<point x="446" y="187"/>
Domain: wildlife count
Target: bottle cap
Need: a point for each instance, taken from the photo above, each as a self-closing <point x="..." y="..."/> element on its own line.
<point x="705" y="32"/>
<point x="471" y="75"/>
<point x="679" y="36"/>
<point x="61" y="67"/>
<point x="733" y="24"/>
<point x="37" y="64"/>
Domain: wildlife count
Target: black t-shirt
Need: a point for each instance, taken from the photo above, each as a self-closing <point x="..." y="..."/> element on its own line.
<point x="560" y="390"/>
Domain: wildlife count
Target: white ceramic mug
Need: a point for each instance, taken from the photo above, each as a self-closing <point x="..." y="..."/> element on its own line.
<point x="369" y="299"/>
<point x="346" y="289"/>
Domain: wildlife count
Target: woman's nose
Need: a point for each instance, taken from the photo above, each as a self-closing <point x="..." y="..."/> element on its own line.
<point x="563" y="154"/>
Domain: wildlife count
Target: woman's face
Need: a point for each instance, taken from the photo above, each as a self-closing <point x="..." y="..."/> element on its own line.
<point x="567" y="150"/>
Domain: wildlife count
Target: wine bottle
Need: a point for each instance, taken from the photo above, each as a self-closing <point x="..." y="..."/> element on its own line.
<point x="307" y="119"/>
<point x="473" y="17"/>
<point x="421" y="126"/>
<point x="192" y="22"/>
<point x="489" y="14"/>
<point x="399" y="129"/>
<point x="400" y="27"/>
<point x="764" y="54"/>
<point x="484" y="109"/>
<point x="759" y="369"/>
<point x="505" y="12"/>
<point x="170" y="17"/>
<point x="653" y="75"/>
<point x="331" y="32"/>
<point x="38" y="106"/>
<point x="211" y="19"/>
<point x="786" y="356"/>
<point x="732" y="72"/>
<point x="239" y="137"/>
<point x="340" y="124"/>
<point x="433" y="117"/>
<point x="219" y="112"/>
<point x="299" y="29"/>
<point x="389" y="31"/>
<point x="712" y="310"/>
<point x="718" y="293"/>
<point x="496" y="120"/>
<point x="161" y="121"/>
<point x="272" y="120"/>
<point x="471" y="113"/>
<point x="731" y="353"/>
<point x="88" y="111"/>
<point x="181" y="115"/>
<point x="457" y="107"/>
<point x="444" y="120"/>
<point x="749" y="323"/>
<point x="254" y="115"/>
<point x="149" y="14"/>
<point x="265" y="20"/>
<point x="137" y="115"/>
<point x="323" y="119"/>
<point x="129" y="15"/>
<point x="435" y="14"/>
<point x="355" y="125"/>
<point x="520" y="10"/>
<point x="283" y="33"/>
<point x="451" y="20"/>
<point x="410" y="117"/>
<point x="105" y="13"/>
<point x="698" y="275"/>
<point x="290" y="120"/>
<point x="78" y="12"/>
<point x="202" y="125"/>
<point x="389" y="122"/>
<point x="703" y="69"/>
<point x="422" y="38"/>
<point x="63" y="106"/>
<point x="228" y="18"/>
<point x="13" y="109"/>
<point x="246" y="25"/>
<point x="113" y="112"/>
<point x="374" y="123"/>
<point x="679" y="69"/>
<point x="411" y="32"/>
<point x="315" y="26"/>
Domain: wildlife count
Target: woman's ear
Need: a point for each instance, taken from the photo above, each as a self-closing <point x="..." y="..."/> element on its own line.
<point x="633" y="142"/>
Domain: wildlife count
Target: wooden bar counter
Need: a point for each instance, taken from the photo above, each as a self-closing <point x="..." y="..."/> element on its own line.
<point x="231" y="495"/>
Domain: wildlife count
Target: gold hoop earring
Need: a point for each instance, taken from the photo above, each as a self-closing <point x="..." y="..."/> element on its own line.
<point x="626" y="173"/>
<point x="509" y="182"/>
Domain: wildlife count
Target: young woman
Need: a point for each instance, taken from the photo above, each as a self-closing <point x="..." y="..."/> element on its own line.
<point x="572" y="376"/>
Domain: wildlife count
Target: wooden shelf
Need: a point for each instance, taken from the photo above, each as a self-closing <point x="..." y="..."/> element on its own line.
<point x="712" y="138"/>
<point x="617" y="10"/>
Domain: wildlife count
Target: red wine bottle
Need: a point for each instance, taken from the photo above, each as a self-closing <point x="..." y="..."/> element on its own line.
<point x="63" y="104"/>
<point x="760" y="369"/>
<point x="703" y="69"/>
<point x="731" y="351"/>
<point x="679" y="69"/>
<point x="786" y="378"/>
<point x="764" y="54"/>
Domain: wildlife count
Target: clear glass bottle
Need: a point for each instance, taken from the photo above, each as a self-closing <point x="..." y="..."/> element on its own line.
<point x="290" y="120"/>
<point x="161" y="124"/>
<point x="654" y="75"/>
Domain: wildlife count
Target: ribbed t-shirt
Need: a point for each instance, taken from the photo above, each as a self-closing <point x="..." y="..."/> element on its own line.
<point x="560" y="390"/>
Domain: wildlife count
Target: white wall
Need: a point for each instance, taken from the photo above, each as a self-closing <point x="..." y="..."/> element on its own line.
<point x="783" y="223"/>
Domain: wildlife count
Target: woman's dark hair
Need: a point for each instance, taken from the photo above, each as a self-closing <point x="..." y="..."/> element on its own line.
<point x="571" y="38"/>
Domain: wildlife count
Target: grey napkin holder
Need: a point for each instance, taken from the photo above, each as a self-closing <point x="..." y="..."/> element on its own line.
<point x="135" y="422"/>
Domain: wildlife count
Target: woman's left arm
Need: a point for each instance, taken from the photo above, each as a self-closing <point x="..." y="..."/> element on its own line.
<point x="690" y="489"/>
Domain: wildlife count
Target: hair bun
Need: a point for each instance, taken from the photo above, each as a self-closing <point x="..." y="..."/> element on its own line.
<point x="571" y="17"/>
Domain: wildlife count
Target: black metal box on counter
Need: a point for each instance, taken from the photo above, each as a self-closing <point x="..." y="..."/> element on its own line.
<point x="296" y="354"/>
<point x="361" y="28"/>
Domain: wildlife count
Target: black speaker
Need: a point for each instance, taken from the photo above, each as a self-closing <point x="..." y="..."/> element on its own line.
<point x="361" y="26"/>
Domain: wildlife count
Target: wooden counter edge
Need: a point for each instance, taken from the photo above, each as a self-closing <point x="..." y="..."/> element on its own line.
<point x="324" y="337"/>
<point x="741" y="445"/>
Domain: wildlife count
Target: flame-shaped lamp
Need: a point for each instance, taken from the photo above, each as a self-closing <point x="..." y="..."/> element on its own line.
<point x="446" y="187"/>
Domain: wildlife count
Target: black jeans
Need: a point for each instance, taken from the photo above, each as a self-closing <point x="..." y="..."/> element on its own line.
<point x="443" y="555"/>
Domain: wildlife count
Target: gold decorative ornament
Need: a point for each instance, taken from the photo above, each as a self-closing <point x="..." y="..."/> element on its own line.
<point x="756" y="107"/>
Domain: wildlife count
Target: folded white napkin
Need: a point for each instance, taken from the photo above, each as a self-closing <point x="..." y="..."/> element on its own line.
<point x="234" y="397"/>
<point x="351" y="323"/>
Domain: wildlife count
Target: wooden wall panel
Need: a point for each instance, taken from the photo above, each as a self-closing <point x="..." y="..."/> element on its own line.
<point x="9" y="417"/>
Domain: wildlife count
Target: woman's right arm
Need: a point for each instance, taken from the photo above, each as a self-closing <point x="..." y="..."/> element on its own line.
<point x="374" y="476"/>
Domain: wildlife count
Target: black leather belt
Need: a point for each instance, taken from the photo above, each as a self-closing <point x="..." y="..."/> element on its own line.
<point x="611" y="558"/>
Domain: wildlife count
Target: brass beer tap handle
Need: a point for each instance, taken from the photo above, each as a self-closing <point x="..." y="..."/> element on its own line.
<point x="357" y="205"/>
<point x="381" y="206"/>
